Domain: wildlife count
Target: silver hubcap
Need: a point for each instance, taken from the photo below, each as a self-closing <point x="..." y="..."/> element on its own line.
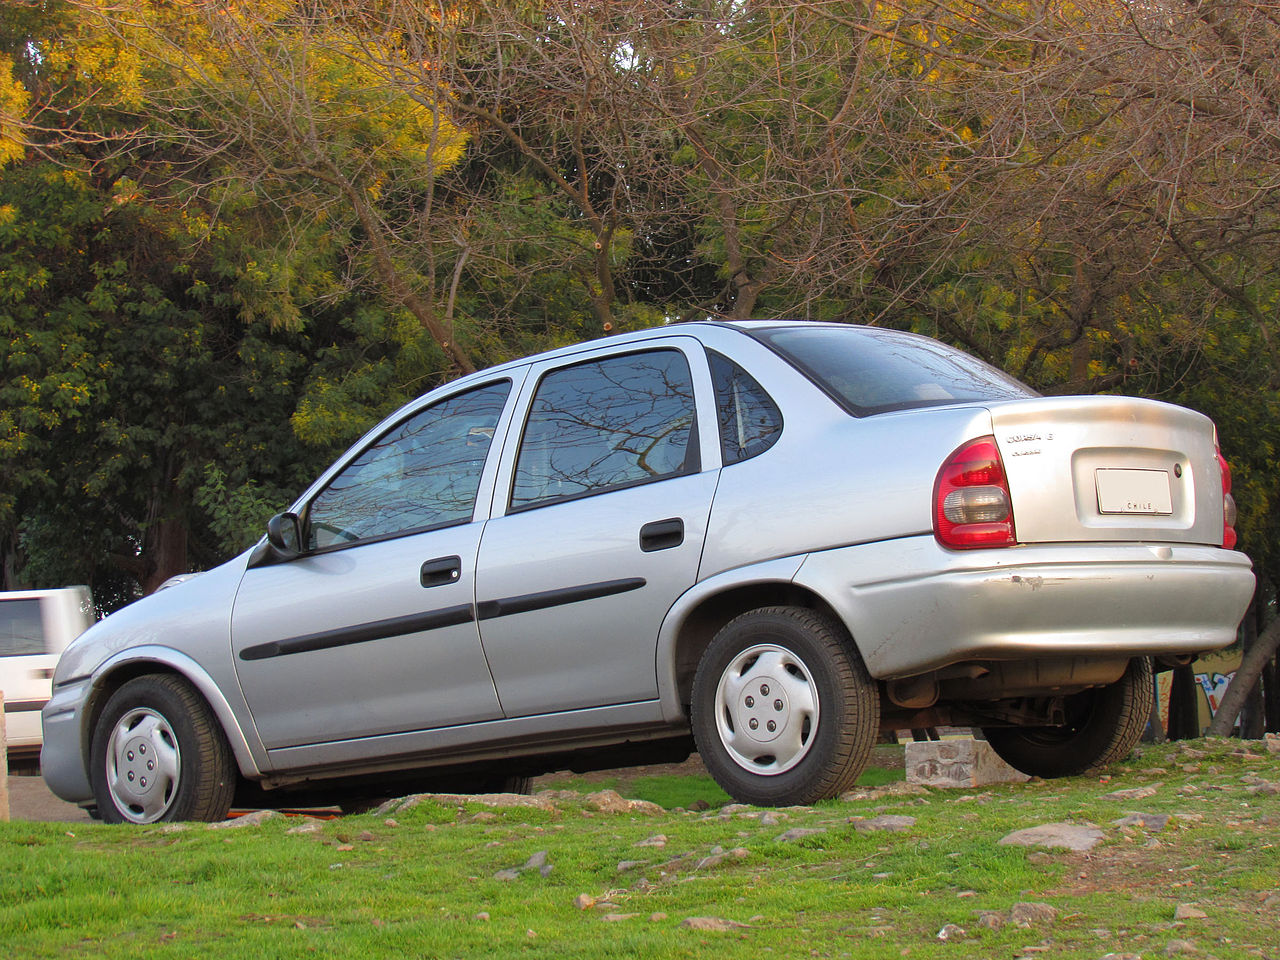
<point x="767" y="709"/>
<point x="143" y="761"/>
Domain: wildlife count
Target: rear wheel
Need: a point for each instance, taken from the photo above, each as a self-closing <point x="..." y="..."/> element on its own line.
<point x="783" y="710"/>
<point x="1103" y="726"/>
<point x="495" y="784"/>
<point x="159" y="755"/>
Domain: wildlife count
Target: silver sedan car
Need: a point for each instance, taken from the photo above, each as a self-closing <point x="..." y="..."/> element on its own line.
<point x="768" y="540"/>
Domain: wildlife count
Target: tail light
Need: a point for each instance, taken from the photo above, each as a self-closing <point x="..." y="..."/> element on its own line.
<point x="1228" y="505"/>
<point x="971" y="503"/>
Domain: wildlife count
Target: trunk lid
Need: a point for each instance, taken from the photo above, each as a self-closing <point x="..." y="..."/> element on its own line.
<point x="1109" y="468"/>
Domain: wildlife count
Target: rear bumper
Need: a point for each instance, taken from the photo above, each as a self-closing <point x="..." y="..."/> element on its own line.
<point x="913" y="606"/>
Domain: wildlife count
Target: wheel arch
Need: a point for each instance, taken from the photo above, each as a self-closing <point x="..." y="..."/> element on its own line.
<point x="118" y="671"/>
<point x="700" y="614"/>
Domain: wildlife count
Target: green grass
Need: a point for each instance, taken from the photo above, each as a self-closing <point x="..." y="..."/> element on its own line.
<point x="422" y="883"/>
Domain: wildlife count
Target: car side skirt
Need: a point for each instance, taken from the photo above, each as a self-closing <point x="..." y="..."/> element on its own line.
<point x="473" y="742"/>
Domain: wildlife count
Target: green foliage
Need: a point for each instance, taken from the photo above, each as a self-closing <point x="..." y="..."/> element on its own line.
<point x="237" y="515"/>
<point x="127" y="380"/>
<point x="232" y="238"/>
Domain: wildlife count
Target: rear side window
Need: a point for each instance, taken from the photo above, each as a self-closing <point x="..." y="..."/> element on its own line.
<point x="867" y="370"/>
<point x="21" y="628"/>
<point x="750" y="422"/>
<point x="607" y="424"/>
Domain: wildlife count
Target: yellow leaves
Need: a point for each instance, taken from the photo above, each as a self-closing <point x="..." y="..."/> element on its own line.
<point x="316" y="86"/>
<point x="14" y="101"/>
<point x="353" y="92"/>
<point x="94" y="55"/>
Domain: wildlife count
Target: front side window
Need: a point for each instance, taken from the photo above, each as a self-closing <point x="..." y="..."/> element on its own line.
<point x="606" y="424"/>
<point x="422" y="473"/>
<point x="21" y="628"/>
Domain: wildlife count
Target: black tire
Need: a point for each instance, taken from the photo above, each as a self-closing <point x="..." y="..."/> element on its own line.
<point x="797" y="668"/>
<point x="1103" y="726"/>
<point x="159" y="755"/>
<point x="493" y="784"/>
<point x="520" y="785"/>
<point x="352" y="808"/>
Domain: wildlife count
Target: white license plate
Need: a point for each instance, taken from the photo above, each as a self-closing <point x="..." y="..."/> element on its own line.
<point x="1134" y="491"/>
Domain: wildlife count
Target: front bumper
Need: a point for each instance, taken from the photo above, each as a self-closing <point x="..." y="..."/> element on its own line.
<point x="913" y="607"/>
<point x="61" y="759"/>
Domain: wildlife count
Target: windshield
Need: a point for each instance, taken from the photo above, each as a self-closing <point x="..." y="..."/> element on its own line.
<point x="868" y="370"/>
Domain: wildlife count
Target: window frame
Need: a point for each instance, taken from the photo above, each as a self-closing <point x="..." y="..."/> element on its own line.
<point x="340" y="468"/>
<point x="693" y="461"/>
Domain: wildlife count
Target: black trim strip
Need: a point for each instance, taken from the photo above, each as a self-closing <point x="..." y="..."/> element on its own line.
<point x="507" y="606"/>
<point x="24" y="706"/>
<point x="362" y="633"/>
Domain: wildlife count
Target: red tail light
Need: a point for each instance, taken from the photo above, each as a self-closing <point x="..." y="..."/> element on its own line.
<point x="971" y="503"/>
<point x="1228" y="505"/>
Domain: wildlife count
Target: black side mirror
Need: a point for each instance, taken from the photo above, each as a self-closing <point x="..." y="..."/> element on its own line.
<point x="284" y="533"/>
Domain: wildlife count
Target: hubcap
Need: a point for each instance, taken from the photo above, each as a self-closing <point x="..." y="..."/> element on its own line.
<point x="143" y="761"/>
<point x="767" y="709"/>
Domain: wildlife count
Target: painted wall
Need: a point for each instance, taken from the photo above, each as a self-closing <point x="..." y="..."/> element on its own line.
<point x="1213" y="673"/>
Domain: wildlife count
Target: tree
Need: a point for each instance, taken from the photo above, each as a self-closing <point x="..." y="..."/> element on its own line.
<point x="271" y="104"/>
<point x="142" y="373"/>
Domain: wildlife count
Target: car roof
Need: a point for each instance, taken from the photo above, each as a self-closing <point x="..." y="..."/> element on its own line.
<point x="684" y="328"/>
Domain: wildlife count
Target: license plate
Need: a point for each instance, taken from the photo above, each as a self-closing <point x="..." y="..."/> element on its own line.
<point x="1134" y="491"/>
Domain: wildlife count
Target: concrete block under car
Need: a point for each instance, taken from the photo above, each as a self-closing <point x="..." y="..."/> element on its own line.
<point x="957" y="763"/>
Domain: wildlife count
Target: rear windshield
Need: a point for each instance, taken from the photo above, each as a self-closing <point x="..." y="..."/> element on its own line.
<point x="867" y="370"/>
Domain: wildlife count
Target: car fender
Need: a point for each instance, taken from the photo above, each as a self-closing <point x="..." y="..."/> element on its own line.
<point x="251" y="756"/>
<point x="780" y="571"/>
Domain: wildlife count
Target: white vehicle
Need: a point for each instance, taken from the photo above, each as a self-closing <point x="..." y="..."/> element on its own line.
<point x="35" y="627"/>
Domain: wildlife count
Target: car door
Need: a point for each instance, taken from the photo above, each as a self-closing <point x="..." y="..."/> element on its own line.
<point x="599" y="527"/>
<point x="372" y="629"/>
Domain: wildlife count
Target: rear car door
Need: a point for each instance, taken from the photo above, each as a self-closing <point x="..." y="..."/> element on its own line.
<point x="598" y="525"/>
<point x="372" y="631"/>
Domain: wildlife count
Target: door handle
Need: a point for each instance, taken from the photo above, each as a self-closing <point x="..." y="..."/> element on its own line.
<point x="662" y="535"/>
<point x="440" y="571"/>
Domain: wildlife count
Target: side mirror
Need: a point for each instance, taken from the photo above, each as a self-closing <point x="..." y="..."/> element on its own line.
<point x="284" y="533"/>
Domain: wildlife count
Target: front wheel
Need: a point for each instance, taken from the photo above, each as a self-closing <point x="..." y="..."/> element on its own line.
<point x="159" y="755"/>
<point x="1102" y="726"/>
<point x="783" y="709"/>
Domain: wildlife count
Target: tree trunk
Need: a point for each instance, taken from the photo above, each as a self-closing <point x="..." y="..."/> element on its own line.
<point x="166" y="553"/>
<point x="1245" y="679"/>
<point x="1252" y="724"/>
<point x="1271" y="689"/>
<point x="10" y="568"/>
<point x="1270" y="672"/>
